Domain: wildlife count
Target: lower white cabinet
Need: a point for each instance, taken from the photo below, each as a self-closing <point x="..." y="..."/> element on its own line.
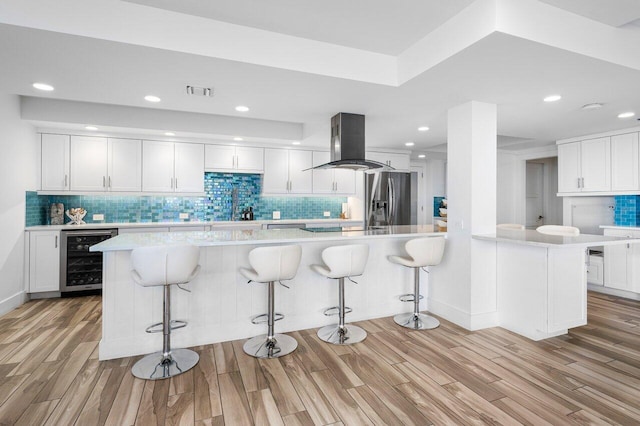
<point x="595" y="270"/>
<point x="622" y="262"/>
<point x="44" y="261"/>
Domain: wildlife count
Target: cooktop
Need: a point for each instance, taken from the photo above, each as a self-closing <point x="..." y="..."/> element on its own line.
<point x="335" y="229"/>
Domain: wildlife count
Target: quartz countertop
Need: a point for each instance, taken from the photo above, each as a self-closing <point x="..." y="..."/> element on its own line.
<point x="226" y="223"/>
<point x="256" y="237"/>
<point x="630" y="228"/>
<point x="535" y="238"/>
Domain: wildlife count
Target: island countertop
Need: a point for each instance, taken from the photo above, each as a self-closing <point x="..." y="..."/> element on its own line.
<point x="257" y="237"/>
<point x="534" y="238"/>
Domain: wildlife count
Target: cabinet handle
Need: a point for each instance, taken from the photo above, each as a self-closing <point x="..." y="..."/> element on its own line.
<point x="65" y="181"/>
<point x="578" y="183"/>
<point x="56" y="243"/>
<point x="582" y="182"/>
<point x="109" y="181"/>
<point x="104" y="181"/>
<point x="176" y="183"/>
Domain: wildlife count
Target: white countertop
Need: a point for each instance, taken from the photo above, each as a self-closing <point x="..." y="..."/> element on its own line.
<point x="535" y="238"/>
<point x="255" y="237"/>
<point x="225" y="223"/>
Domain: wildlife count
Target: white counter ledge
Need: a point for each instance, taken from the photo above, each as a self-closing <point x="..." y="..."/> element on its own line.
<point x="222" y="303"/>
<point x="534" y="238"/>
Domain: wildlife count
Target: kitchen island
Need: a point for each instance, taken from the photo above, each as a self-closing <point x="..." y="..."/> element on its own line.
<point x="222" y="303"/>
<point x="542" y="280"/>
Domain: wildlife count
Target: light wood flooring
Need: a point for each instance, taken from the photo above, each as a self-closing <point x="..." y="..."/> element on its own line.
<point x="50" y="374"/>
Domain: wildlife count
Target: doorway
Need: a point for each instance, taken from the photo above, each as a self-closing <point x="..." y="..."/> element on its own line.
<point x="543" y="206"/>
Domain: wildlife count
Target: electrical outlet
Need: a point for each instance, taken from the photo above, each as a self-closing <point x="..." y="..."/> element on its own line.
<point x="327" y="214"/>
<point x="276" y="215"/>
<point x="184" y="215"/>
<point x="98" y="216"/>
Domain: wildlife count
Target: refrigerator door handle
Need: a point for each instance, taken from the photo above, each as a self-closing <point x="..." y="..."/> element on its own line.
<point x="391" y="201"/>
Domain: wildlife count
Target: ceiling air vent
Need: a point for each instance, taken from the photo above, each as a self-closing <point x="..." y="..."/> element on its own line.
<point x="199" y="91"/>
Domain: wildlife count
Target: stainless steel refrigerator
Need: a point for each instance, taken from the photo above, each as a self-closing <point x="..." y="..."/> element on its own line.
<point x="391" y="198"/>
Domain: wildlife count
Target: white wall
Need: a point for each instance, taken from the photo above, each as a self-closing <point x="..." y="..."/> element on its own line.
<point x="18" y="173"/>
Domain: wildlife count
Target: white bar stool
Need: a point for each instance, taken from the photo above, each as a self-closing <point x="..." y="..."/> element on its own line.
<point x="271" y="264"/>
<point x="342" y="262"/>
<point x="423" y="252"/>
<point x="165" y="266"/>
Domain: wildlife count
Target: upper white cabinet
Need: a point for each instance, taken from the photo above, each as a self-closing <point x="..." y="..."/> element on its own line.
<point x="624" y="162"/>
<point x="88" y="163"/>
<point x="585" y="166"/>
<point x="124" y="166"/>
<point x="172" y="167"/>
<point x="237" y="159"/>
<point x="44" y="261"/>
<point x="331" y="181"/>
<point x="55" y="162"/>
<point x="285" y="171"/>
<point x="393" y="159"/>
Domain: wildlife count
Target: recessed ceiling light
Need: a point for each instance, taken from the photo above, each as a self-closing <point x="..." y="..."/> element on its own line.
<point x="552" y="98"/>
<point x="169" y="134"/>
<point x="151" y="98"/>
<point x="423" y="129"/>
<point x="626" y="114"/>
<point x="295" y="143"/>
<point x="594" y="105"/>
<point x="242" y="108"/>
<point x="43" y="86"/>
<point x="238" y="139"/>
<point x="409" y="144"/>
<point x="91" y="127"/>
<point x="421" y="156"/>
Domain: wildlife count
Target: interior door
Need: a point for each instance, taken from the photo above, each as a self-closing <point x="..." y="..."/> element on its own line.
<point x="535" y="195"/>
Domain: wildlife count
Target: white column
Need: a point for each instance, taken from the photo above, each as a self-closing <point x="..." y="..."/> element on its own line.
<point x="463" y="287"/>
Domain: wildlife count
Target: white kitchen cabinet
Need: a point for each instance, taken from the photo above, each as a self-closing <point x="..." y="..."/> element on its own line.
<point x="55" y="162"/>
<point x="172" y="167"/>
<point x="237" y="159"/>
<point x="624" y="162"/>
<point x="124" y="172"/>
<point x="89" y="163"/>
<point x="622" y="262"/>
<point x="585" y="166"/>
<point x="285" y="171"/>
<point x="44" y="261"/>
<point x="331" y="181"/>
<point x="595" y="270"/>
<point x="393" y="159"/>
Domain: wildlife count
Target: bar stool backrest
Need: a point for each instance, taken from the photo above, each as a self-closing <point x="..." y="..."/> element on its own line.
<point x="566" y="231"/>
<point x="346" y="261"/>
<point x="165" y="265"/>
<point x="275" y="263"/>
<point x="426" y="251"/>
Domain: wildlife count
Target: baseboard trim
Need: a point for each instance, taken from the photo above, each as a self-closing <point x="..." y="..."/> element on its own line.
<point x="10" y="303"/>
<point x="613" y="292"/>
<point x="462" y="318"/>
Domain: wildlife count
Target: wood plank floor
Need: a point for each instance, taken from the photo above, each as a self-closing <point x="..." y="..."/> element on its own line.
<point x="50" y="374"/>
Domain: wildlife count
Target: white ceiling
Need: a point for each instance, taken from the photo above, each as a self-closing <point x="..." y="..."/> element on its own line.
<point x="92" y="63"/>
<point x="611" y="12"/>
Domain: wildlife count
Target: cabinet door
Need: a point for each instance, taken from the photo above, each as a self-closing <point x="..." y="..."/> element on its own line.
<point x="219" y="157"/>
<point x="595" y="165"/>
<point x="249" y="159"/>
<point x="300" y="179"/>
<point x="125" y="165"/>
<point x="88" y="163"/>
<point x="569" y="167"/>
<point x="323" y="180"/>
<point x="616" y="267"/>
<point x="345" y="181"/>
<point x="276" y="171"/>
<point x="624" y="162"/>
<point x="55" y="162"/>
<point x="189" y="167"/>
<point x="157" y="166"/>
<point x="44" y="261"/>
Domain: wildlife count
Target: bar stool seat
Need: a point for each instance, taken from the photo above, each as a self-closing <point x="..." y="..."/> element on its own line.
<point x="271" y="264"/>
<point x="564" y="231"/>
<point x="342" y="262"/>
<point x="422" y="253"/>
<point x="165" y="266"/>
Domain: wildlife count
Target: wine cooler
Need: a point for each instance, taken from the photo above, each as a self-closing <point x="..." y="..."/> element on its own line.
<point x="81" y="269"/>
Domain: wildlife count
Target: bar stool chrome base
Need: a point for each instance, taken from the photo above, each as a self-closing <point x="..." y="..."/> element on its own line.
<point x="263" y="347"/>
<point x="416" y="321"/>
<point x="155" y="366"/>
<point x="348" y="335"/>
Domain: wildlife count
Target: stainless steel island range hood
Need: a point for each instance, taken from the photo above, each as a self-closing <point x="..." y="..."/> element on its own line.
<point x="347" y="144"/>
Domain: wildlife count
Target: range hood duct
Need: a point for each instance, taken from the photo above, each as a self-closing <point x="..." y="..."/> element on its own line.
<point x="347" y="145"/>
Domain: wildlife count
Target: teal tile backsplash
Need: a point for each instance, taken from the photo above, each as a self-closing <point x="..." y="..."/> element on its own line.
<point x="216" y="205"/>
